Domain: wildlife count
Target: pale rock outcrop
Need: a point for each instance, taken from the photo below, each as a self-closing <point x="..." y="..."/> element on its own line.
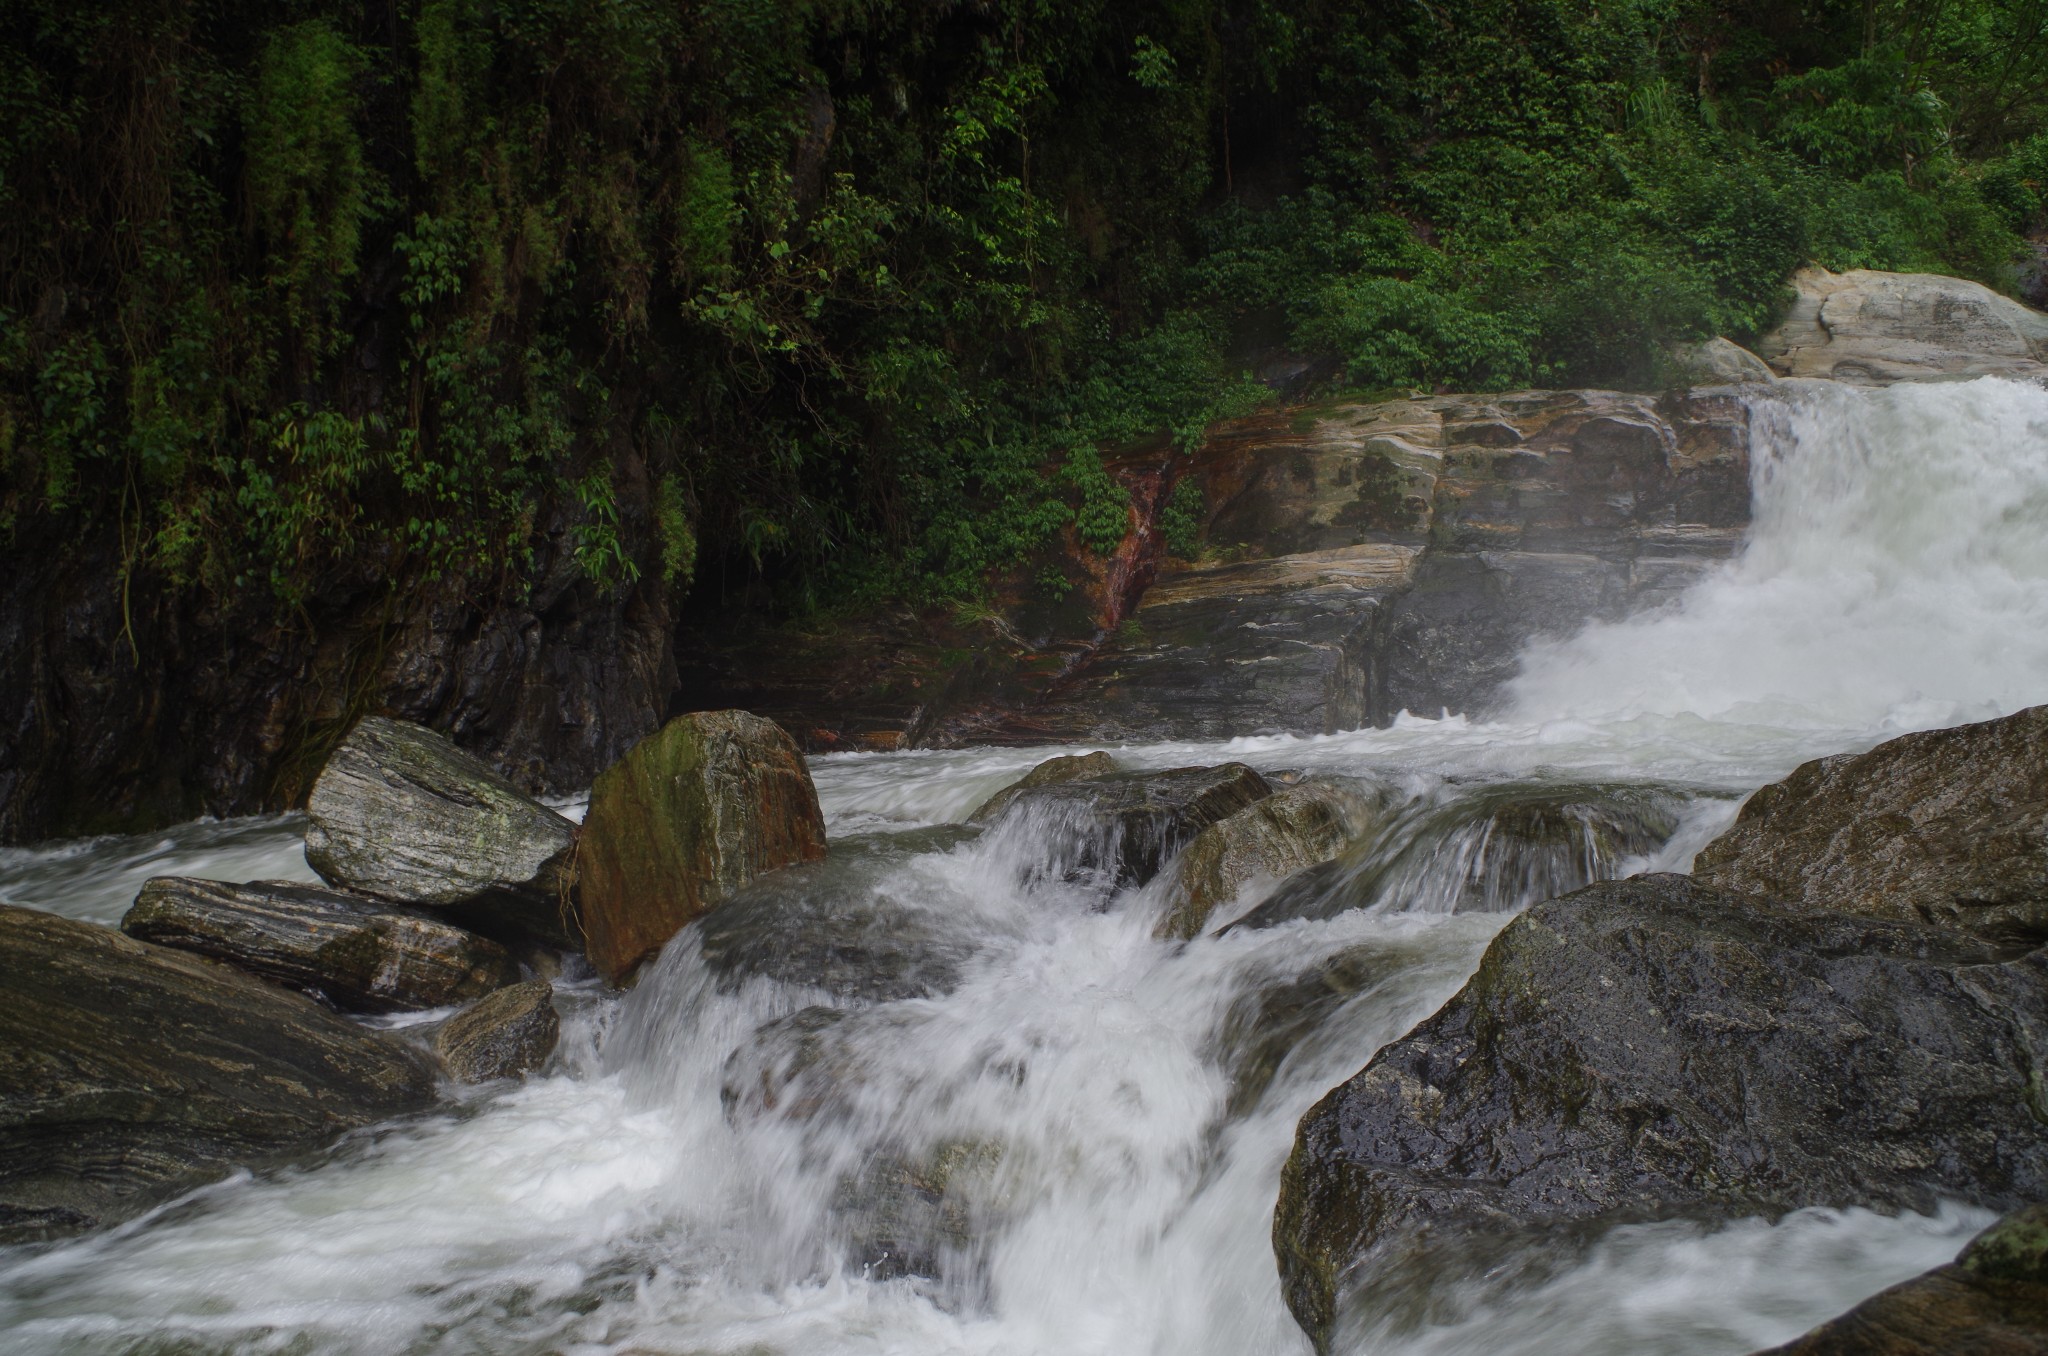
<point x="1874" y="328"/>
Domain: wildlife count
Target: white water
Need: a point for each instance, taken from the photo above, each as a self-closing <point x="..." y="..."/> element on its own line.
<point x="1897" y="578"/>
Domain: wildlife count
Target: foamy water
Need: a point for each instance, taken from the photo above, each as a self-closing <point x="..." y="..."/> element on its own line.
<point x="1116" y="1107"/>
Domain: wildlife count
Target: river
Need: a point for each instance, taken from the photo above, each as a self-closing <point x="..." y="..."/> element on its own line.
<point x="1115" y="1125"/>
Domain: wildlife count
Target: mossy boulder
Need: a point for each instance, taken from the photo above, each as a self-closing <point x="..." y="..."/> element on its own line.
<point x="1068" y="767"/>
<point x="1295" y="827"/>
<point x="1946" y="826"/>
<point x="1651" y="1047"/>
<point x="402" y="814"/>
<point x="130" y="1073"/>
<point x="690" y="814"/>
<point x="361" y="955"/>
<point x="1991" y="1301"/>
<point x="510" y="1033"/>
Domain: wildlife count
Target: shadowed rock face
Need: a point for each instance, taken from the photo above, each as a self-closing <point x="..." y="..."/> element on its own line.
<point x="402" y="814"/>
<point x="1992" y="1301"/>
<point x="359" y="954"/>
<point x="1946" y="826"/>
<point x="510" y="1033"/>
<point x="130" y="1073"/>
<point x="1121" y="828"/>
<point x="1652" y="1047"/>
<point x="713" y="800"/>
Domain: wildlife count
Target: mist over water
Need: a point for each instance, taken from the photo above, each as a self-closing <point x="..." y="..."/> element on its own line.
<point x="716" y="1161"/>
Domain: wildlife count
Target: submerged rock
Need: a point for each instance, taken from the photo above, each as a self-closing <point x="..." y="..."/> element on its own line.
<point x="509" y="1034"/>
<point x="1651" y="1047"/>
<point x="1070" y="767"/>
<point x="1991" y="1301"/>
<point x="402" y="814"/>
<point x="919" y="1213"/>
<point x="794" y="1066"/>
<point x="1946" y="826"/>
<point x="1492" y="852"/>
<point x="1124" y="827"/>
<point x="693" y="812"/>
<point x="130" y="1073"/>
<point x="1296" y="827"/>
<point x="359" y="954"/>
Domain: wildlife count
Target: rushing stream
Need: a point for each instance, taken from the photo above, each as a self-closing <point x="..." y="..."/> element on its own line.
<point x="933" y="1055"/>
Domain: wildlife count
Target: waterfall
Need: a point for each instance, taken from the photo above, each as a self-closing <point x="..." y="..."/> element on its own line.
<point x="940" y="1095"/>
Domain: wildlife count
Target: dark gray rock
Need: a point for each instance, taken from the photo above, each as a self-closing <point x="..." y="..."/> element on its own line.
<point x="402" y="814"/>
<point x="1650" y="1048"/>
<point x="1946" y="826"/>
<point x="1068" y="767"/>
<point x="919" y="1213"/>
<point x="1991" y="1301"/>
<point x="130" y="1073"/>
<point x="509" y="1034"/>
<point x="361" y="955"/>
<point x="796" y="1067"/>
<point x="1121" y="829"/>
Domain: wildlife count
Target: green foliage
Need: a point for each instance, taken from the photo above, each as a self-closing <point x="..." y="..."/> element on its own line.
<point x="1180" y="523"/>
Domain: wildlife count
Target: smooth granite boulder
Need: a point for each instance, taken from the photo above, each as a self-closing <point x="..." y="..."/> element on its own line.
<point x="402" y="814"/>
<point x="361" y="955"/>
<point x="1295" y="827"/>
<point x="1871" y="328"/>
<point x="130" y="1073"/>
<point x="1651" y="1047"/>
<point x="1946" y="826"/>
<point x="693" y="812"/>
<point x="507" y="1035"/>
<point x="1991" y="1301"/>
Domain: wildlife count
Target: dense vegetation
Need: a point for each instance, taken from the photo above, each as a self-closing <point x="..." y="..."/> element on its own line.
<point x="850" y="293"/>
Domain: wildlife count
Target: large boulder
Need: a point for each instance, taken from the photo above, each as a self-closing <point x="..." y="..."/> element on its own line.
<point x="1652" y="1047"/>
<point x="693" y="812"/>
<point x="1991" y="1301"/>
<point x="1946" y="826"/>
<point x="130" y="1073"/>
<point x="1120" y="829"/>
<point x="1067" y="767"/>
<point x="1295" y="827"/>
<point x="402" y="814"/>
<point x="1873" y="328"/>
<point x="361" y="955"/>
<point x="510" y="1033"/>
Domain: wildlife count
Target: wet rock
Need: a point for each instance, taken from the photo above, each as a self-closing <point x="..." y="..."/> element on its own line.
<point x="1264" y="1026"/>
<point x="1296" y="827"/>
<point x="359" y="954"/>
<point x="507" y="1035"/>
<point x="1500" y="849"/>
<point x="794" y="1066"/>
<point x="1652" y="1047"/>
<point x="918" y="1214"/>
<point x="693" y="812"/>
<point x="851" y="925"/>
<point x="1874" y="328"/>
<point x="402" y="814"/>
<point x="1946" y="826"/>
<point x="1121" y="829"/>
<point x="1992" y="1301"/>
<point x="1070" y="767"/>
<point x="130" y="1073"/>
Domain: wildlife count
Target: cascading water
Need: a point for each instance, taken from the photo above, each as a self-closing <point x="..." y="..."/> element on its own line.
<point x="934" y="1097"/>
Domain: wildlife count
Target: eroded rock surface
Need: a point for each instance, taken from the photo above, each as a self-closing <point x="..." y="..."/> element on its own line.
<point x="130" y="1073"/>
<point x="1872" y="328"/>
<point x="506" y="1035"/>
<point x="1651" y="1046"/>
<point x="359" y="954"/>
<point x="693" y="812"/>
<point x="1295" y="827"/>
<point x="402" y="814"/>
<point x="1945" y="826"/>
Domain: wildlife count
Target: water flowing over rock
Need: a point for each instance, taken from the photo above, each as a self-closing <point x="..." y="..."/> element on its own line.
<point x="1650" y="1047"/>
<point x="1870" y="328"/>
<point x="1071" y="767"/>
<point x="402" y="814"/>
<point x="1992" y="1301"/>
<point x="1295" y="827"/>
<point x="359" y="954"/>
<point x="1123" y="828"/>
<point x="1945" y="826"/>
<point x="130" y="1073"/>
<point x="921" y="1214"/>
<point x="510" y="1033"/>
<point x="688" y="816"/>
